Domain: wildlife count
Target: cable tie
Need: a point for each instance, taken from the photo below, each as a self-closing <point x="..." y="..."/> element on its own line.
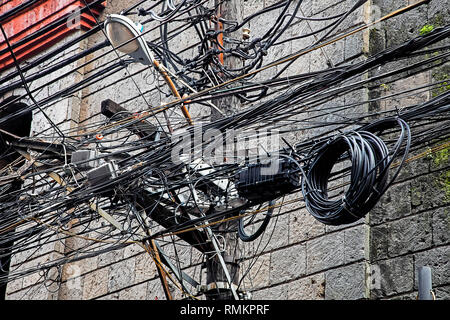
<point x="313" y="190"/>
<point x="346" y="207"/>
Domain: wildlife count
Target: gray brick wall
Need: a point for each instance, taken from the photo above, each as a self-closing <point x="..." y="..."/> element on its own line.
<point x="375" y="258"/>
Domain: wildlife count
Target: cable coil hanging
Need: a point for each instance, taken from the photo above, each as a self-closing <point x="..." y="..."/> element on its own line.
<point x="369" y="171"/>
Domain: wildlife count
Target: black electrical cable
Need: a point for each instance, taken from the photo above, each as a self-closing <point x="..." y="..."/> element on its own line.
<point x="26" y="86"/>
<point x="304" y="103"/>
<point x="242" y="233"/>
<point x="370" y="161"/>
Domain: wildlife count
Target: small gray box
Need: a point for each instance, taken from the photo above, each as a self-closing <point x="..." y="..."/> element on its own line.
<point x="102" y="174"/>
<point x="80" y="159"/>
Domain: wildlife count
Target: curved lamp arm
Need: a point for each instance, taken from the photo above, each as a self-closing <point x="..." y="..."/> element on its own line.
<point x="126" y="37"/>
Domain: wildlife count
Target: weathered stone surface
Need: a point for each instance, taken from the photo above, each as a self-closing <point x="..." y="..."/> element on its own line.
<point x="318" y="61"/>
<point x="277" y="292"/>
<point x="145" y="268"/>
<point x="401" y="27"/>
<point x="405" y="83"/>
<point x="303" y="226"/>
<point x="279" y="225"/>
<point x="112" y="296"/>
<point x="378" y="242"/>
<point x="72" y="279"/>
<point x="353" y="46"/>
<point x="406" y="296"/>
<point x="438" y="259"/>
<point x="37" y="292"/>
<point x="329" y="228"/>
<point x="309" y="288"/>
<point x="441" y="226"/>
<point x="287" y="263"/>
<point x="442" y="293"/>
<point x="410" y="234"/>
<point x="438" y="13"/>
<point x="325" y="252"/>
<point x="110" y="257"/>
<point x="14" y="286"/>
<point x="155" y="290"/>
<point x="257" y="271"/>
<point x="32" y="279"/>
<point x="250" y="7"/>
<point x="14" y="295"/>
<point x="345" y="283"/>
<point x="396" y="276"/>
<point x="132" y="251"/>
<point x="121" y="274"/>
<point x="395" y="203"/>
<point x="95" y="284"/>
<point x="137" y="292"/>
<point x="319" y="6"/>
<point x="415" y="168"/>
<point x="354" y="243"/>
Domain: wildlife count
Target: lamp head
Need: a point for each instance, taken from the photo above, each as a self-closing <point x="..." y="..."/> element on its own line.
<point x="125" y="35"/>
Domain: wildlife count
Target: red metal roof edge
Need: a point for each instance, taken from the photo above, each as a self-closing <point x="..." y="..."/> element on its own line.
<point x="35" y="46"/>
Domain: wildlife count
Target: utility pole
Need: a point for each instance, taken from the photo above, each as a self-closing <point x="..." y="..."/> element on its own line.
<point x="218" y="285"/>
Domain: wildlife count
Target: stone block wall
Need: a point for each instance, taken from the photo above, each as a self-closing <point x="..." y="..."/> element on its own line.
<point x="300" y="258"/>
<point x="409" y="228"/>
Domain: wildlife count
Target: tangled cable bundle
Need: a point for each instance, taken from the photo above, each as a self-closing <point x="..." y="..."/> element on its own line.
<point x="112" y="181"/>
<point x="370" y="161"/>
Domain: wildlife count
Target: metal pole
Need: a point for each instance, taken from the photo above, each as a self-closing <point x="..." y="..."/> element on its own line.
<point x="425" y="283"/>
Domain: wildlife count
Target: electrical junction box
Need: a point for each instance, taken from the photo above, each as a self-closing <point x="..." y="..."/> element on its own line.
<point x="81" y="159"/>
<point x="264" y="182"/>
<point x="102" y="174"/>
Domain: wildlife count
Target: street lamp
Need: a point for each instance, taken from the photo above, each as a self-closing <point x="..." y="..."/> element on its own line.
<point x="126" y="37"/>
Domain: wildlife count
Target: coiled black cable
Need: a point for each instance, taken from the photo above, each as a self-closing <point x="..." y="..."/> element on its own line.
<point x="370" y="161"/>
